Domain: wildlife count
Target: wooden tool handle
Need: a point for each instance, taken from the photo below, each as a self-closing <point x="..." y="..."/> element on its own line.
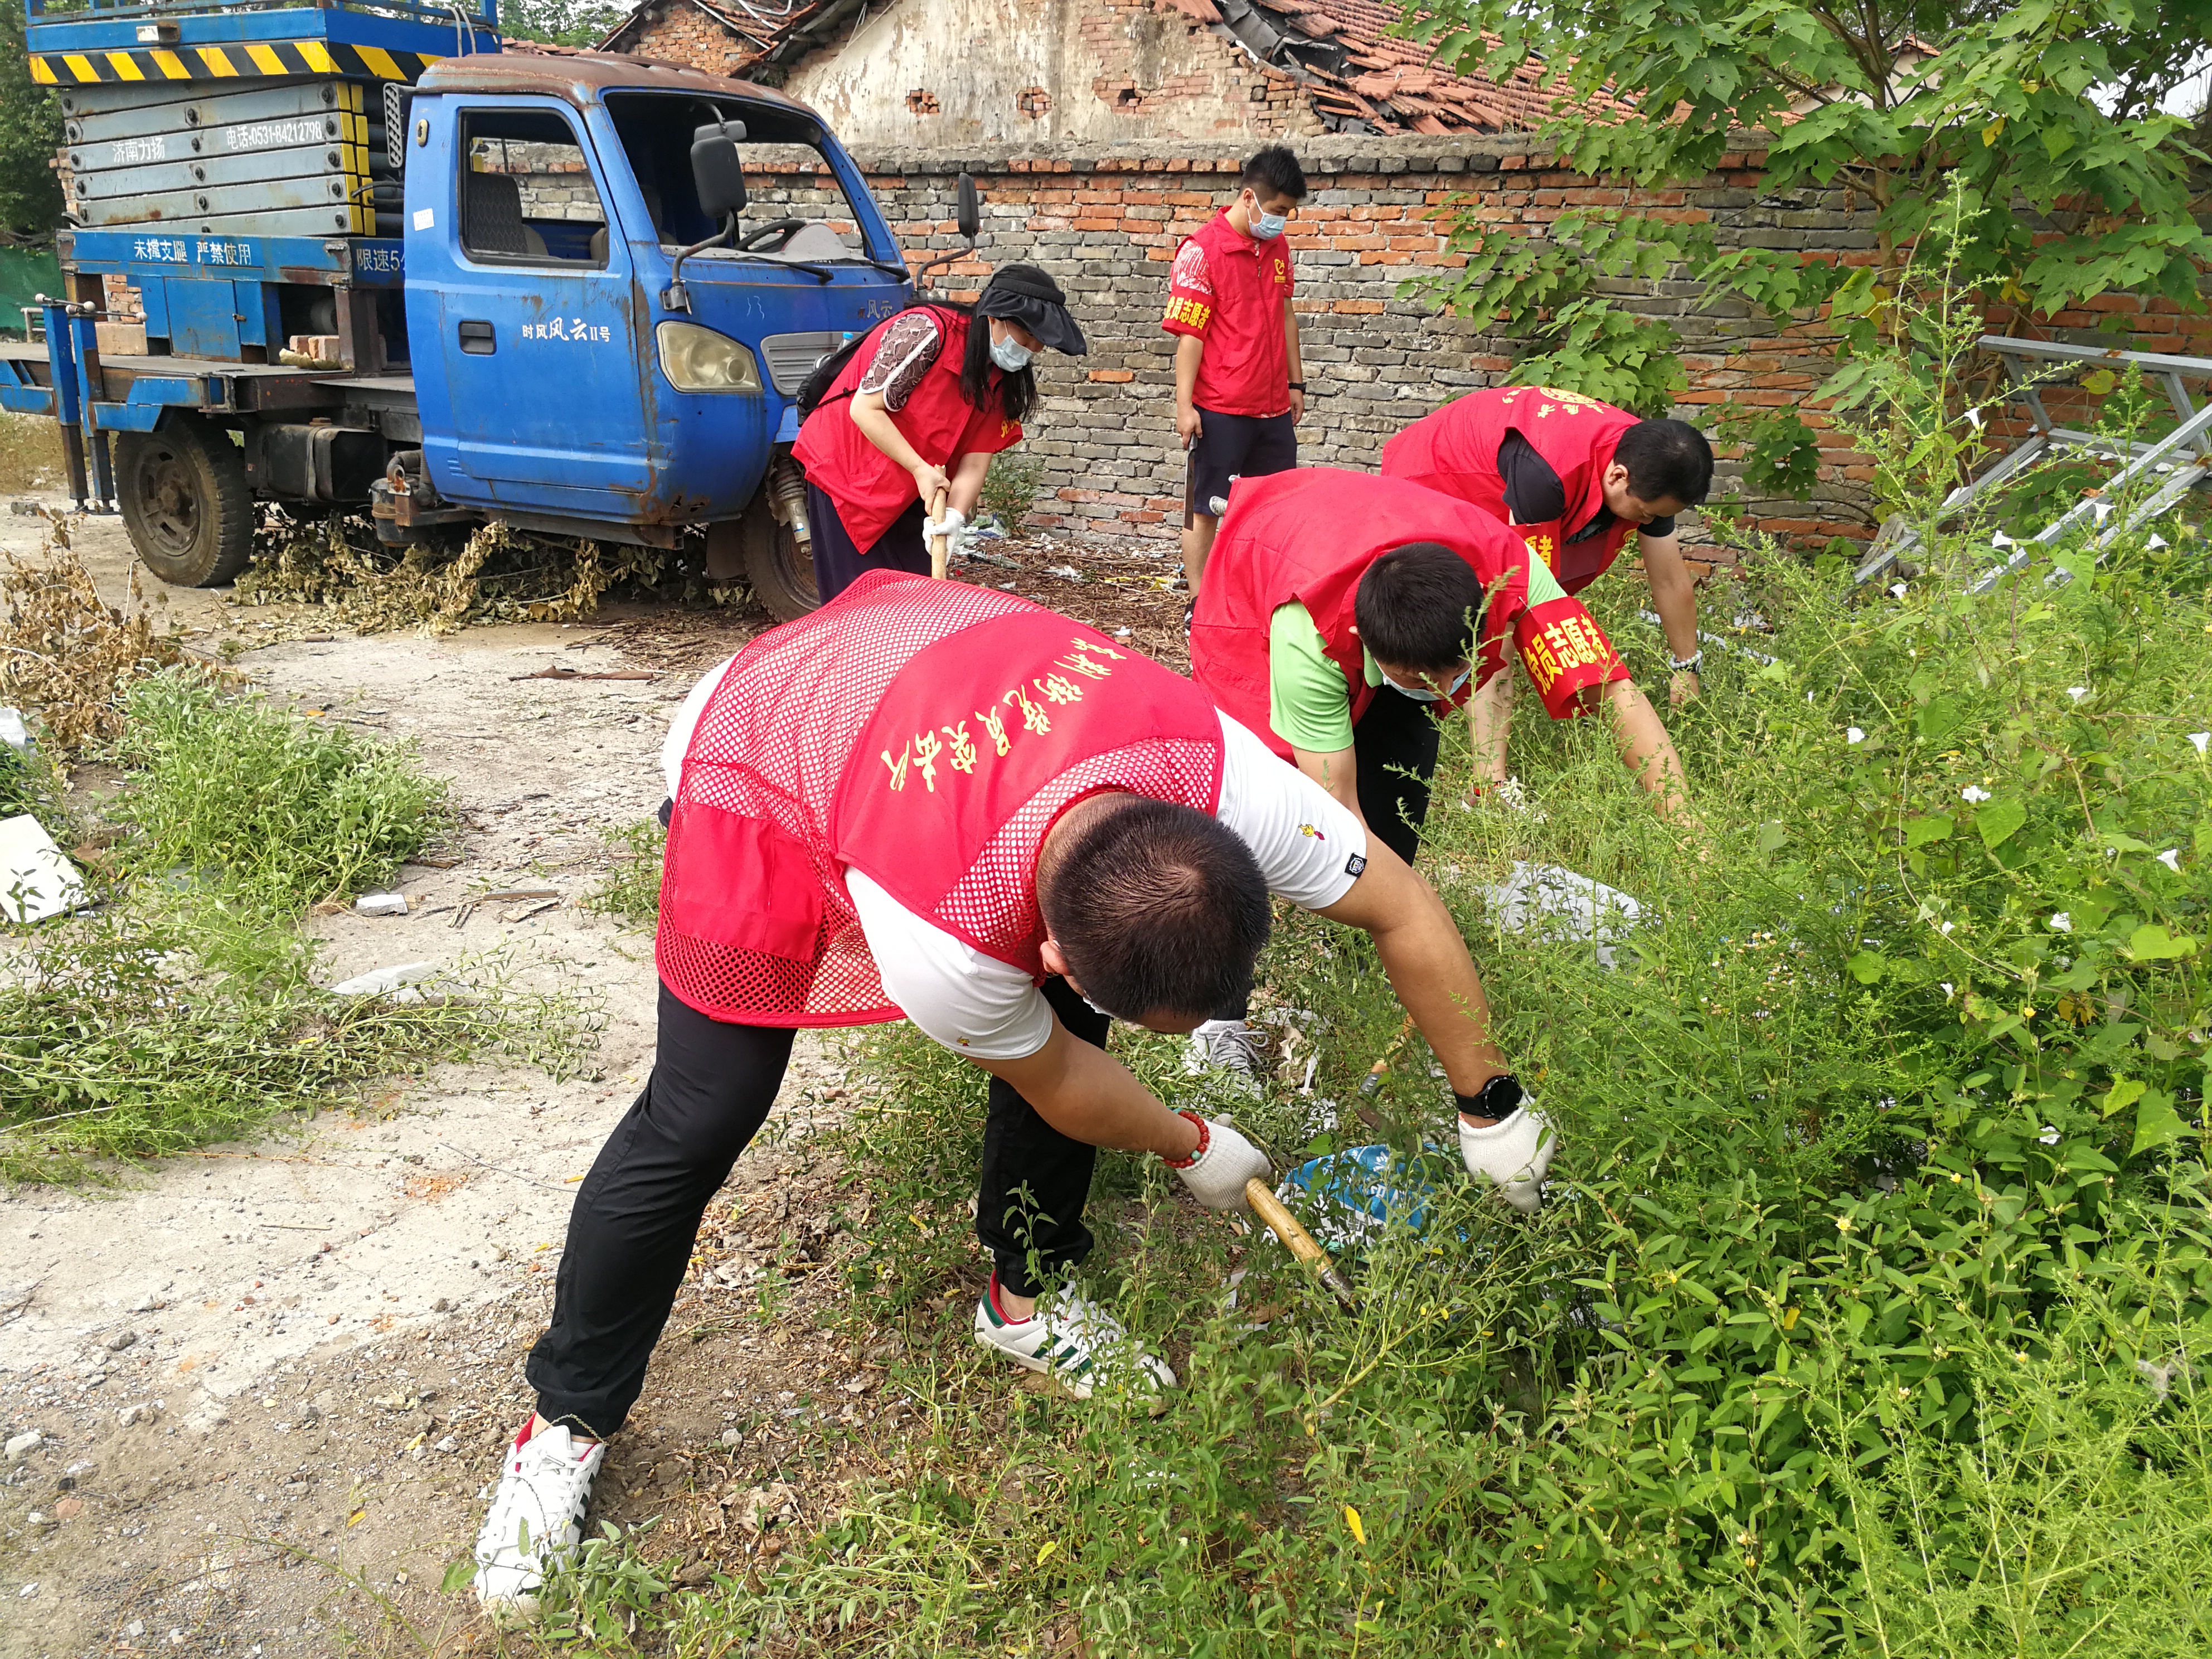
<point x="940" y="551"/>
<point x="1269" y="1209"/>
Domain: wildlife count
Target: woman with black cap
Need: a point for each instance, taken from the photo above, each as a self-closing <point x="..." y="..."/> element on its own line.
<point x="915" y="414"/>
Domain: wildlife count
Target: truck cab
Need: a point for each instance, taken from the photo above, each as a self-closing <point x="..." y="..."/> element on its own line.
<point x="548" y="199"/>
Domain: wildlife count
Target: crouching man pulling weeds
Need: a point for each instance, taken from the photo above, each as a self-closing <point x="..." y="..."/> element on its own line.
<point x="944" y="803"/>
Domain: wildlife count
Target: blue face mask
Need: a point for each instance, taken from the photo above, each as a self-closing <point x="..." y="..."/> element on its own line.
<point x="1010" y="354"/>
<point x="1266" y="226"/>
<point x="1422" y="694"/>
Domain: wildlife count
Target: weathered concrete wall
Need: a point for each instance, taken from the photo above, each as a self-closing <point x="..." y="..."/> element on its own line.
<point x="1105" y="220"/>
<point x="1036" y="72"/>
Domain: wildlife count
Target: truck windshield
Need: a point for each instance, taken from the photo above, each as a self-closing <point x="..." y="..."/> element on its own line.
<point x="788" y="178"/>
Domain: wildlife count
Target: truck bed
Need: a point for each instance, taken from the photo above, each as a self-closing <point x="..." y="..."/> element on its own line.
<point x="200" y="383"/>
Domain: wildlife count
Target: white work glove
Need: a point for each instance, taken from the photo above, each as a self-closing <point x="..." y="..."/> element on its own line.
<point x="1512" y="1153"/>
<point x="951" y="526"/>
<point x="1217" y="1174"/>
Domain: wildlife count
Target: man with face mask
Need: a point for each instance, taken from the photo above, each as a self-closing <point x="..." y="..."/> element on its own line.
<point x="920" y="405"/>
<point x="1343" y="613"/>
<point x="1576" y="478"/>
<point x="942" y="803"/>
<point x="1240" y="381"/>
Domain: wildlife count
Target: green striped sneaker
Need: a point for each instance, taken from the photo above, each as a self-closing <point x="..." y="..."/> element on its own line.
<point x="1071" y="1339"/>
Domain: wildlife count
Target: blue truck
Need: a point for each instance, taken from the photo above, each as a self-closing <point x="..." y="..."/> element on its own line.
<point x="376" y="262"/>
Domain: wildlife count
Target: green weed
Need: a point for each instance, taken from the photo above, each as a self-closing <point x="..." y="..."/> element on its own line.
<point x="1010" y="488"/>
<point x="253" y="800"/>
<point x="631" y="892"/>
<point x="184" y="1009"/>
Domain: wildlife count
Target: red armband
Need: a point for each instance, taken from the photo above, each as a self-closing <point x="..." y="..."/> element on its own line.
<point x="1567" y="655"/>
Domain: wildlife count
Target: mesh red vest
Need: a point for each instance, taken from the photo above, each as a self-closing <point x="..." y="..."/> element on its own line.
<point x="1456" y="451"/>
<point x="871" y="490"/>
<point x="1311" y="535"/>
<point x="927" y="734"/>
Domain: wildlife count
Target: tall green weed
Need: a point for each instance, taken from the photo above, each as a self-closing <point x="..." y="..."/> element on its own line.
<point x="183" y="1009"/>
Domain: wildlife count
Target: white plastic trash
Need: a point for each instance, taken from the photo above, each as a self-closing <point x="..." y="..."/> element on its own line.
<point x="403" y="982"/>
<point x="382" y="904"/>
<point x="13" y="732"/>
<point x="1552" y="902"/>
<point x="377" y="980"/>
<point x="35" y="880"/>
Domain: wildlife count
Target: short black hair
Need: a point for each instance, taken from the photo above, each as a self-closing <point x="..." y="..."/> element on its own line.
<point x="1420" y="606"/>
<point x="1159" y="908"/>
<point x="1666" y="460"/>
<point x="1273" y="171"/>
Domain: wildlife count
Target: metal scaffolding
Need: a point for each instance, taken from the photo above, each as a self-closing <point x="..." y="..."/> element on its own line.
<point x="2179" y="461"/>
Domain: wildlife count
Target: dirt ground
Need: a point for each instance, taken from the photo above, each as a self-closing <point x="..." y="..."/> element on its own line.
<point x="268" y="1381"/>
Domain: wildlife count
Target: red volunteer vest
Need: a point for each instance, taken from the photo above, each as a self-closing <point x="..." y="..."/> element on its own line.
<point x="870" y="488"/>
<point x="929" y="734"/>
<point x="1311" y="535"/>
<point x="1456" y="451"/>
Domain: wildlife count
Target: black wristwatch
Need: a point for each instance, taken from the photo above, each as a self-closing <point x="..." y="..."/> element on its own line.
<point x="1297" y="386"/>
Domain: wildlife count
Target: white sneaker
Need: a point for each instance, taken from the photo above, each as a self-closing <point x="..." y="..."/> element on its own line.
<point x="1067" y="1337"/>
<point x="1229" y="1046"/>
<point x="537" y="1515"/>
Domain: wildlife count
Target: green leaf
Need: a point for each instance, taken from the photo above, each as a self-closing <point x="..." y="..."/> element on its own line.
<point x="1771" y="838"/>
<point x="1997" y="823"/>
<point x="2156" y="1123"/>
<point x="1866" y="967"/>
<point x="1918" y="832"/>
<point x="459" y="1577"/>
<point x="2124" y="1093"/>
<point x="2152" y="942"/>
<point x="1939" y="718"/>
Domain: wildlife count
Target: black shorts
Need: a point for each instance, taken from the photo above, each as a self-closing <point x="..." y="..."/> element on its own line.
<point x="1237" y="446"/>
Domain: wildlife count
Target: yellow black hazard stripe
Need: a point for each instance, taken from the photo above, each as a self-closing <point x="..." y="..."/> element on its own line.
<point x="258" y="59"/>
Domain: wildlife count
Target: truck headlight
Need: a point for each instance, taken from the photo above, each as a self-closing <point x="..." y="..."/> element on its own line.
<point x="697" y="359"/>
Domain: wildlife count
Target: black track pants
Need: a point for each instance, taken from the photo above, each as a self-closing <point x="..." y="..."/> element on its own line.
<point x="1395" y="741"/>
<point x="636" y="1216"/>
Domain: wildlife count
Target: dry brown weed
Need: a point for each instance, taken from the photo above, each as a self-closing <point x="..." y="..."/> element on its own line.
<point x="64" y="654"/>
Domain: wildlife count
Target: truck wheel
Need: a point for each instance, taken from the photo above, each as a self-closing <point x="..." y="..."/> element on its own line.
<point x="185" y="502"/>
<point x="780" y="570"/>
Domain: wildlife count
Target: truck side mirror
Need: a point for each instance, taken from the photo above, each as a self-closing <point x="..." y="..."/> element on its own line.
<point x="969" y="215"/>
<point x="716" y="170"/>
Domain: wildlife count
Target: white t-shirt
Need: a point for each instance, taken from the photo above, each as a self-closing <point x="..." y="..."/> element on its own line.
<point x="1309" y="848"/>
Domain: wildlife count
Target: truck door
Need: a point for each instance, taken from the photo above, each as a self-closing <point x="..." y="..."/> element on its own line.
<point x="521" y="314"/>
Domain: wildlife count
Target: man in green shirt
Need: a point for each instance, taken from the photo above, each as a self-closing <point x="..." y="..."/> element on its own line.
<point x="1340" y="609"/>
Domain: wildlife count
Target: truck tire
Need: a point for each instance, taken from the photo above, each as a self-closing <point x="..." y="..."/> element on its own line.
<point x="779" y="571"/>
<point x="185" y="502"/>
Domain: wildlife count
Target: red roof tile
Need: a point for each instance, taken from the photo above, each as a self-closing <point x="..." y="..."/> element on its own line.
<point x="1356" y="75"/>
<point x="1361" y="73"/>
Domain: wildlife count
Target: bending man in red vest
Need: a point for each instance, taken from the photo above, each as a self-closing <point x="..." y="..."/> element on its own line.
<point x="944" y="803"/>
<point x="1575" y="478"/>
<point x="1342" y="611"/>
<point x="921" y="406"/>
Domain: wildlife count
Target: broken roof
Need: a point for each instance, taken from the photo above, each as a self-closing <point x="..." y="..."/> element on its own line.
<point x="1359" y="78"/>
<point x="764" y="36"/>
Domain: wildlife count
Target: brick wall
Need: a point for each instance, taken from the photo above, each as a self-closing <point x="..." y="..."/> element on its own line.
<point x="1106" y="223"/>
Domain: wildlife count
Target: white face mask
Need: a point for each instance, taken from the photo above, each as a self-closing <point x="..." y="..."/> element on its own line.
<point x="1422" y="694"/>
<point x="1010" y="354"/>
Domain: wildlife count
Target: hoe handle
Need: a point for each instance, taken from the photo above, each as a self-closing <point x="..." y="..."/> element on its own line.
<point x="940" y="551"/>
<point x="1269" y="1209"/>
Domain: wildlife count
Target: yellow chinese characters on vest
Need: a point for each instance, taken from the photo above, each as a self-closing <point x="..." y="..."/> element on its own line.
<point x="1018" y="713"/>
